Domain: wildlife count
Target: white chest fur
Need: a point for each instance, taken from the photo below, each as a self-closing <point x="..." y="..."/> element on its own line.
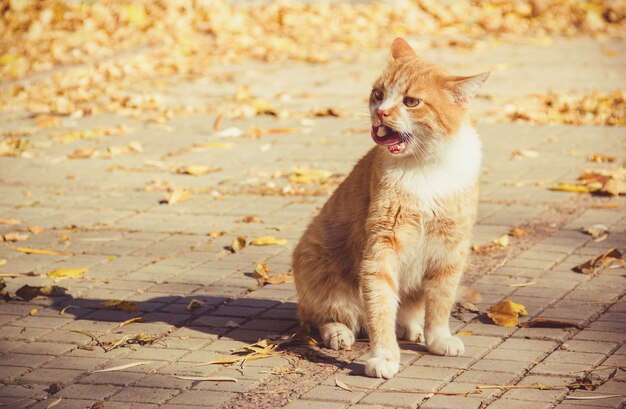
<point x="457" y="168"/>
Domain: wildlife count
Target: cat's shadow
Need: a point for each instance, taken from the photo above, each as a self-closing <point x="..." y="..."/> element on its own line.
<point x="215" y="316"/>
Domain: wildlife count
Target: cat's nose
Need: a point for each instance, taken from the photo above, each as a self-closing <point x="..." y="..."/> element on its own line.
<point x="382" y="114"/>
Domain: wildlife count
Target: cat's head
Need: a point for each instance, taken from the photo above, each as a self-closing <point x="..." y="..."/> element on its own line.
<point x="416" y="105"/>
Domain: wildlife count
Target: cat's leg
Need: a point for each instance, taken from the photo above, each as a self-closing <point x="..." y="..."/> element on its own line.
<point x="410" y="321"/>
<point x="337" y="336"/>
<point x="439" y="296"/>
<point x="380" y="292"/>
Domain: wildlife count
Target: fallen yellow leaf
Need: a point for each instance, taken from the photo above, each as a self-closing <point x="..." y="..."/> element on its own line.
<point x="178" y="195"/>
<point x="126" y="306"/>
<point x="3" y="261"/>
<point x="214" y="145"/>
<point x="502" y="241"/>
<point x="39" y="251"/>
<point x="35" y="229"/>
<point x="268" y="241"/>
<point x="505" y="313"/>
<point x="571" y="187"/>
<point x="304" y="176"/>
<point x="33" y="311"/>
<point x="61" y="273"/>
<point x="48" y="121"/>
<point x="197" y="170"/>
<point x="16" y="236"/>
<point x="9" y="221"/>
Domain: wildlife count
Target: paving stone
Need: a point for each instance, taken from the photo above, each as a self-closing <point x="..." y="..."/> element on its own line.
<point x="497" y="365"/>
<point x="427" y="372"/>
<point x="10" y="374"/>
<point x="554" y="334"/>
<point x="508" y="403"/>
<point x="26" y="360"/>
<point x="79" y="391"/>
<point x="144" y="395"/>
<point x="575" y="357"/>
<point x="314" y="404"/>
<point x="201" y="398"/>
<point x="333" y="394"/>
<point x="392" y="399"/>
<point x="516" y="355"/>
<point x="51" y="375"/>
<point x="119" y="378"/>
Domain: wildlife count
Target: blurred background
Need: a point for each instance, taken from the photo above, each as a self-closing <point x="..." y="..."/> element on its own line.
<point x="125" y="46"/>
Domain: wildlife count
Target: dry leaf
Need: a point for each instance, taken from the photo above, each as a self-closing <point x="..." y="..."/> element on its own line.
<point x="541" y="322"/>
<point x="52" y="291"/>
<point x="122" y="367"/>
<point x="130" y="321"/>
<point x="15" y="236"/>
<point x="250" y="219"/>
<point x="613" y="205"/>
<point x="27" y="292"/>
<point x="597" y="231"/>
<point x="523" y="284"/>
<point x="342" y="385"/>
<point x="596" y="264"/>
<point x="601" y="158"/>
<point x="505" y="313"/>
<point x="9" y="221"/>
<point x="126" y="306"/>
<point x="48" y="121"/>
<point x="177" y="195"/>
<point x="193" y="304"/>
<point x="213" y="145"/>
<point x="67" y="308"/>
<point x="3" y="261"/>
<point x="261" y="272"/>
<point x="35" y="229"/>
<point x="198" y="170"/>
<point x="268" y="241"/>
<point x="237" y="244"/>
<point x="216" y="234"/>
<point x="54" y="403"/>
<point x="518" y="232"/>
<point x="280" y="279"/>
<point x="82" y="153"/>
<point x="207" y="378"/>
<point x="469" y="307"/>
<point x="304" y="176"/>
<point x="39" y="251"/>
<point x="33" y="311"/>
<point x="594" y="397"/>
<point x="61" y="273"/>
<point x="524" y="153"/>
<point x="502" y="241"/>
<point x="570" y="187"/>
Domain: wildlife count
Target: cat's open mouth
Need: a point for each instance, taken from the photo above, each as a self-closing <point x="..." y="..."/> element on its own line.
<point x="383" y="135"/>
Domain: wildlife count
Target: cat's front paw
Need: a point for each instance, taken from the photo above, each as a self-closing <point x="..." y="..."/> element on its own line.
<point x="448" y="346"/>
<point x="383" y="364"/>
<point x="337" y="336"/>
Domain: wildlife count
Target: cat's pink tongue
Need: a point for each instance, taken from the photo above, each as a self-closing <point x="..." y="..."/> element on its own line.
<point x="397" y="148"/>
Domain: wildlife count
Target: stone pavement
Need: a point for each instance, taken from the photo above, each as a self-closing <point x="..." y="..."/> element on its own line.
<point x="106" y="214"/>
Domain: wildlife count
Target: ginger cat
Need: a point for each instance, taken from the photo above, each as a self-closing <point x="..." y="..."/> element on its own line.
<point x="387" y="251"/>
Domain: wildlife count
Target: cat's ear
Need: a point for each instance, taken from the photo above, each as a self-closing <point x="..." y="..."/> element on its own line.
<point x="400" y="48"/>
<point x="465" y="88"/>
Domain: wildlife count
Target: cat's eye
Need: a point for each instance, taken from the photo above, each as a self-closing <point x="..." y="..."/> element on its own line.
<point x="411" y="102"/>
<point x="377" y="95"/>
